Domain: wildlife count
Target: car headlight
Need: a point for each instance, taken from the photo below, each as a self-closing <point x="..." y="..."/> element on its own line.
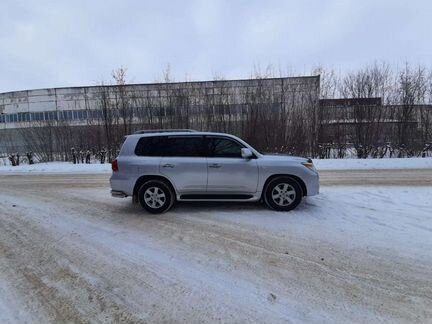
<point x="309" y="164"/>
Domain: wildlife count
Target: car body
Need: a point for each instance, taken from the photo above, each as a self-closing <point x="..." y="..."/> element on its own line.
<point x="197" y="166"/>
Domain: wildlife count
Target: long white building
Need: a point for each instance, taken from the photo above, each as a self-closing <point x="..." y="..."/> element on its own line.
<point x="207" y="105"/>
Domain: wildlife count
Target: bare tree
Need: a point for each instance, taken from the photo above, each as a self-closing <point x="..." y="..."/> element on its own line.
<point x="122" y="101"/>
<point x="106" y="114"/>
<point x="371" y="82"/>
<point x="40" y="139"/>
<point x="328" y="82"/>
<point x="412" y="90"/>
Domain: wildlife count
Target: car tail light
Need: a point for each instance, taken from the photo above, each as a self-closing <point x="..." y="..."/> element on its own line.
<point x="114" y="166"/>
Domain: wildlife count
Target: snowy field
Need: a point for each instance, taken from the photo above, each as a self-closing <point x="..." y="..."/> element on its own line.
<point x="353" y="254"/>
<point x="327" y="164"/>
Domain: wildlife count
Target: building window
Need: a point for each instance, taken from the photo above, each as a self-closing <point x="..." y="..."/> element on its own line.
<point x="37" y="116"/>
<point x="23" y="117"/>
<point x="83" y="114"/>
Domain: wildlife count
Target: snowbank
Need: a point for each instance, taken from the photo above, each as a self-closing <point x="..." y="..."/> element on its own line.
<point x="57" y="167"/>
<point x="328" y="164"/>
<point x="373" y="164"/>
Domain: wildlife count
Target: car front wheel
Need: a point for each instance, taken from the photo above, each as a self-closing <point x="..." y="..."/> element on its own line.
<point x="283" y="194"/>
<point x="156" y="196"/>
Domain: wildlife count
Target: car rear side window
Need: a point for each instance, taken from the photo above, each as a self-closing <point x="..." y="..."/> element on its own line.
<point x="181" y="146"/>
<point x="150" y="146"/>
<point x="185" y="146"/>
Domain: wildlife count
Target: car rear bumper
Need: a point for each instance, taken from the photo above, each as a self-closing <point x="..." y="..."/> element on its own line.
<point x="121" y="186"/>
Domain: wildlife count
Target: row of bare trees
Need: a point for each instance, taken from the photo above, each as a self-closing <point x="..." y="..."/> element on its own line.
<point x="406" y="85"/>
<point x="273" y="114"/>
<point x="402" y="119"/>
<point x="276" y="114"/>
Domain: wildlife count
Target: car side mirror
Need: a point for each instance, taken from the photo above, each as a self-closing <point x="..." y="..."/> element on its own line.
<point x="246" y="153"/>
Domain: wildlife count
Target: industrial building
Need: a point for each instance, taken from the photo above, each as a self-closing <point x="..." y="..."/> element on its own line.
<point x="102" y="115"/>
<point x="276" y="114"/>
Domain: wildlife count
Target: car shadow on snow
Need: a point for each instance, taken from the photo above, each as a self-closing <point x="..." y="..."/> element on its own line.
<point x="227" y="207"/>
<point x="206" y="207"/>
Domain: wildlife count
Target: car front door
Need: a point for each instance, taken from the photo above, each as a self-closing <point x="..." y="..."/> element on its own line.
<point x="184" y="163"/>
<point x="227" y="170"/>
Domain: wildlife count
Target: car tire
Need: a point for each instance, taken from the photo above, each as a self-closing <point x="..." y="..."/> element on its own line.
<point x="156" y="196"/>
<point x="283" y="194"/>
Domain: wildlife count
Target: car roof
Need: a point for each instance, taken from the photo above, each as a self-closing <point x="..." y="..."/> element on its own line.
<point x="136" y="137"/>
<point x="180" y="134"/>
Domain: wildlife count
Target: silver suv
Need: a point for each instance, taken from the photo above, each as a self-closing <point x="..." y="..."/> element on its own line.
<point x="159" y="168"/>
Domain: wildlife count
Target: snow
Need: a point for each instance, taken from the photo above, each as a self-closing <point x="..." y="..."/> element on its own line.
<point x="327" y="164"/>
<point x="396" y="219"/>
<point x="349" y="255"/>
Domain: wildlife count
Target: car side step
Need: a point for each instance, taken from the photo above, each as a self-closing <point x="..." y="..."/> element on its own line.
<point x="216" y="196"/>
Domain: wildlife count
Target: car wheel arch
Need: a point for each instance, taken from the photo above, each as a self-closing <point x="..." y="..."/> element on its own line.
<point x="144" y="178"/>
<point x="294" y="177"/>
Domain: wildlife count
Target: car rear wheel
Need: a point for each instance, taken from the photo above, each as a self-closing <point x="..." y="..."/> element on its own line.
<point x="283" y="194"/>
<point x="156" y="196"/>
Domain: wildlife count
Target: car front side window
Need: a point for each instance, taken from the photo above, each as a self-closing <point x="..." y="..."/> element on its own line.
<point x="224" y="147"/>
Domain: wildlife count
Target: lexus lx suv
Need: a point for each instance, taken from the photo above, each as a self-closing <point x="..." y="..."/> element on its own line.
<point x="158" y="168"/>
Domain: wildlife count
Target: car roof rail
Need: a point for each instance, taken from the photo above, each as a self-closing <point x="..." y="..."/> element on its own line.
<point x="146" y="131"/>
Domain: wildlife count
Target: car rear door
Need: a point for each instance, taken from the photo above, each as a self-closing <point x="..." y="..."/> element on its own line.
<point x="184" y="163"/>
<point x="228" y="172"/>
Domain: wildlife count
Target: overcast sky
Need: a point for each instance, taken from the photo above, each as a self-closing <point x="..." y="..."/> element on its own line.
<point x="71" y="43"/>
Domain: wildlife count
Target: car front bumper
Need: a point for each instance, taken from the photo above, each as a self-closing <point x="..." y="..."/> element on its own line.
<point x="312" y="183"/>
<point x="118" y="194"/>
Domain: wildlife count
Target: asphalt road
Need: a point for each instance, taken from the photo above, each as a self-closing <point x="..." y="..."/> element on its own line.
<point x="403" y="177"/>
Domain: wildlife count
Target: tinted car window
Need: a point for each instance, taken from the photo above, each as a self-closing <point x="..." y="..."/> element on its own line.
<point x="223" y="147"/>
<point x="150" y="146"/>
<point x="184" y="146"/>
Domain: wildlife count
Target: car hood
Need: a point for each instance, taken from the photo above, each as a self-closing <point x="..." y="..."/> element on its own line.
<point x="282" y="157"/>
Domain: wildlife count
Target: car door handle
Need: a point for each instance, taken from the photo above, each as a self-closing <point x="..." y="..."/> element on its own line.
<point x="215" y="166"/>
<point x="168" y="166"/>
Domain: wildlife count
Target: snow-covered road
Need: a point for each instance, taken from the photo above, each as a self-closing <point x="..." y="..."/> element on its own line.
<point x="354" y="254"/>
